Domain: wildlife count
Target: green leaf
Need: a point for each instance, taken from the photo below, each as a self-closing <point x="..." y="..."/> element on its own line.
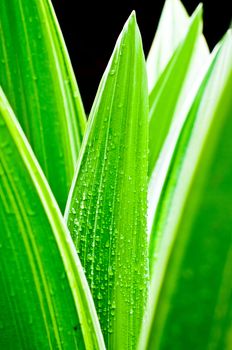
<point x="106" y="210"/>
<point x="173" y="87"/>
<point x="45" y="301"/>
<point x="172" y="28"/>
<point x="37" y="77"/>
<point x="157" y="184"/>
<point x="191" y="295"/>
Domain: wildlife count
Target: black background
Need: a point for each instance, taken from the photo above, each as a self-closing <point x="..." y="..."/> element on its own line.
<point x="90" y="31"/>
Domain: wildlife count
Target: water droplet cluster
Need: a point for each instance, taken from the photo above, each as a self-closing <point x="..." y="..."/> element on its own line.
<point x="107" y="216"/>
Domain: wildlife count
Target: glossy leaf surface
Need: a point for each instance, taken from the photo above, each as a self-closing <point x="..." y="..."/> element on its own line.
<point x="191" y="284"/>
<point x="173" y="87"/>
<point x="172" y="27"/>
<point x="45" y="301"/>
<point x="169" y="105"/>
<point x="36" y="75"/>
<point x="106" y="211"/>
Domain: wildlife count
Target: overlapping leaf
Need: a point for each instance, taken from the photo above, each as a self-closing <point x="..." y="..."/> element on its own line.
<point x="36" y="75"/>
<point x="173" y="26"/>
<point x="171" y="29"/>
<point x="106" y="211"/>
<point x="191" y="284"/>
<point x="173" y="87"/>
<point x="45" y="301"/>
<point x="170" y="101"/>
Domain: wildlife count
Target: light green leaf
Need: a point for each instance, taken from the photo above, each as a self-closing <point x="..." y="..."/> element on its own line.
<point x="162" y="169"/>
<point x="106" y="211"/>
<point x="191" y="295"/>
<point x="172" y="98"/>
<point x="172" y="28"/>
<point x="173" y="87"/>
<point x="37" y="77"/>
<point x="45" y="301"/>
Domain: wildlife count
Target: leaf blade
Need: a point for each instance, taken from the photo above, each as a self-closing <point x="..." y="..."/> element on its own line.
<point x="172" y="26"/>
<point x="196" y="224"/>
<point x="172" y="87"/>
<point x="37" y="77"/>
<point x="44" y="290"/>
<point x="108" y="198"/>
<point x="170" y="101"/>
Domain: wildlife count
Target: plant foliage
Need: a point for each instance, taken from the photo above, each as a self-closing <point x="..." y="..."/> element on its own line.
<point x="142" y="257"/>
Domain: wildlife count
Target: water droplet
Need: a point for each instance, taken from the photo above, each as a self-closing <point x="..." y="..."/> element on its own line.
<point x="89" y="257"/>
<point x="76" y="222"/>
<point x="76" y="93"/>
<point x="73" y="211"/>
<point x="99" y="296"/>
<point x="30" y="211"/>
<point x="112" y="312"/>
<point x="110" y="271"/>
<point x="112" y="72"/>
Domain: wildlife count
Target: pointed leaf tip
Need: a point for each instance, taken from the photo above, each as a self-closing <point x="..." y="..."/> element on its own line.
<point x="133" y="15"/>
<point x="198" y="11"/>
<point x="108" y="197"/>
<point x="201" y="154"/>
<point x="42" y="71"/>
<point x="131" y="21"/>
<point x="229" y="31"/>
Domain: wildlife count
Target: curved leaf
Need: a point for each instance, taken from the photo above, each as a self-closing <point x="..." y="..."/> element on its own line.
<point x="45" y="301"/>
<point x="106" y="211"/>
<point x="37" y="77"/>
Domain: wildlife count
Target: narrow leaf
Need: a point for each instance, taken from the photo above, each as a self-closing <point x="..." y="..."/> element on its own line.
<point x="106" y="211"/>
<point x="172" y="28"/>
<point x="37" y="77"/>
<point x="191" y="296"/>
<point x="163" y="170"/>
<point x="172" y="98"/>
<point x="172" y="88"/>
<point x="45" y="301"/>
